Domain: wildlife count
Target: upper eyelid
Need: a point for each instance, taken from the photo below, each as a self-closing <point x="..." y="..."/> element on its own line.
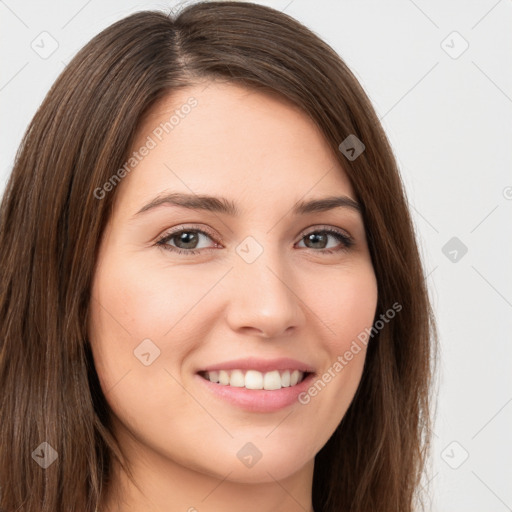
<point x="324" y="227"/>
<point x="202" y="230"/>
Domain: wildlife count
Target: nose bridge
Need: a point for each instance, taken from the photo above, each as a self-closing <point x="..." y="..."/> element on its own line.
<point x="263" y="296"/>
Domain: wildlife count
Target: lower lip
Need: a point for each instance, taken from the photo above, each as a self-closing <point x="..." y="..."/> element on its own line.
<point x="258" y="400"/>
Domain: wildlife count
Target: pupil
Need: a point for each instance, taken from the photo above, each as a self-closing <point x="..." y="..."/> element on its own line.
<point x="188" y="238"/>
<point x="317" y="236"/>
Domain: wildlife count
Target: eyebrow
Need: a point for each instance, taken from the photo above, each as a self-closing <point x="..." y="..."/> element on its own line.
<point x="228" y="207"/>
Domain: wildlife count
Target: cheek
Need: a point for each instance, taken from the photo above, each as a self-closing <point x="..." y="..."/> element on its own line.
<point x="138" y="340"/>
<point x="135" y="300"/>
<point x="344" y="312"/>
<point x="345" y="303"/>
<point x="144" y="301"/>
<point x="356" y="305"/>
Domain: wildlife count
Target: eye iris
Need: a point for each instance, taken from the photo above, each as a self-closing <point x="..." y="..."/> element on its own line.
<point x="188" y="238"/>
<point x="314" y="237"/>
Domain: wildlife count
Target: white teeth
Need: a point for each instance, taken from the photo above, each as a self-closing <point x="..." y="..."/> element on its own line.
<point x="223" y="378"/>
<point x="237" y="379"/>
<point x="253" y="379"/>
<point x="272" y="380"/>
<point x="285" y="379"/>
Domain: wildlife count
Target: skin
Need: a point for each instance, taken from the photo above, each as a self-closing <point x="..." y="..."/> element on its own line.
<point x="294" y="300"/>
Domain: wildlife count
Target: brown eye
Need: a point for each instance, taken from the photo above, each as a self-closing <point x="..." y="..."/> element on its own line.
<point x="320" y="239"/>
<point x="183" y="241"/>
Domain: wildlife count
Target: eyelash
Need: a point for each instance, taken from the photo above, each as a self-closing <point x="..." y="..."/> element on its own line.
<point x="347" y="242"/>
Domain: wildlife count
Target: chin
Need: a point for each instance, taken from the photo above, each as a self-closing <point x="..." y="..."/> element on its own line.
<point x="267" y="464"/>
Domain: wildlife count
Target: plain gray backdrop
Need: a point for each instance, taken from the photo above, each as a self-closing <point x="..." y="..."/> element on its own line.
<point x="440" y="77"/>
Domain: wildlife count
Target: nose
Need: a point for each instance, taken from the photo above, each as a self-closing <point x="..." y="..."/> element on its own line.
<point x="263" y="299"/>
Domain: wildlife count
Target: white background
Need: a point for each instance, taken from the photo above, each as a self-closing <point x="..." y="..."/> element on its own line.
<point x="449" y="121"/>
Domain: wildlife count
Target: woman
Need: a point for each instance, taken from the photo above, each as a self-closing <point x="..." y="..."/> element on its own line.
<point x="144" y="370"/>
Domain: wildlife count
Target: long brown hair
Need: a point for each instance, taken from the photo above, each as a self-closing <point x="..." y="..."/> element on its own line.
<point x="51" y="224"/>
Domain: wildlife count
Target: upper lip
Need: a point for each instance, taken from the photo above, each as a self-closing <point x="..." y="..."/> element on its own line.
<point x="261" y="365"/>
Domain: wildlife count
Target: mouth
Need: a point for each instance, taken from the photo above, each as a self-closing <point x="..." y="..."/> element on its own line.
<point x="257" y="385"/>
<point x="254" y="379"/>
<point x="250" y="390"/>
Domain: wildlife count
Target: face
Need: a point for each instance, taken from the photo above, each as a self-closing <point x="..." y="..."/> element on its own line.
<point x="179" y="291"/>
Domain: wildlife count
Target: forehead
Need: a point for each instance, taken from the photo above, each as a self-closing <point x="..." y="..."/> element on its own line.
<point x="226" y="140"/>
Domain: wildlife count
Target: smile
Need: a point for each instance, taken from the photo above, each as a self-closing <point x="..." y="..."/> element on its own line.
<point x="253" y="379"/>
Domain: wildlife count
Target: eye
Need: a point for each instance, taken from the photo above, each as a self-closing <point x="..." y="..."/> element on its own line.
<point x="186" y="239"/>
<point x="321" y="237"/>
